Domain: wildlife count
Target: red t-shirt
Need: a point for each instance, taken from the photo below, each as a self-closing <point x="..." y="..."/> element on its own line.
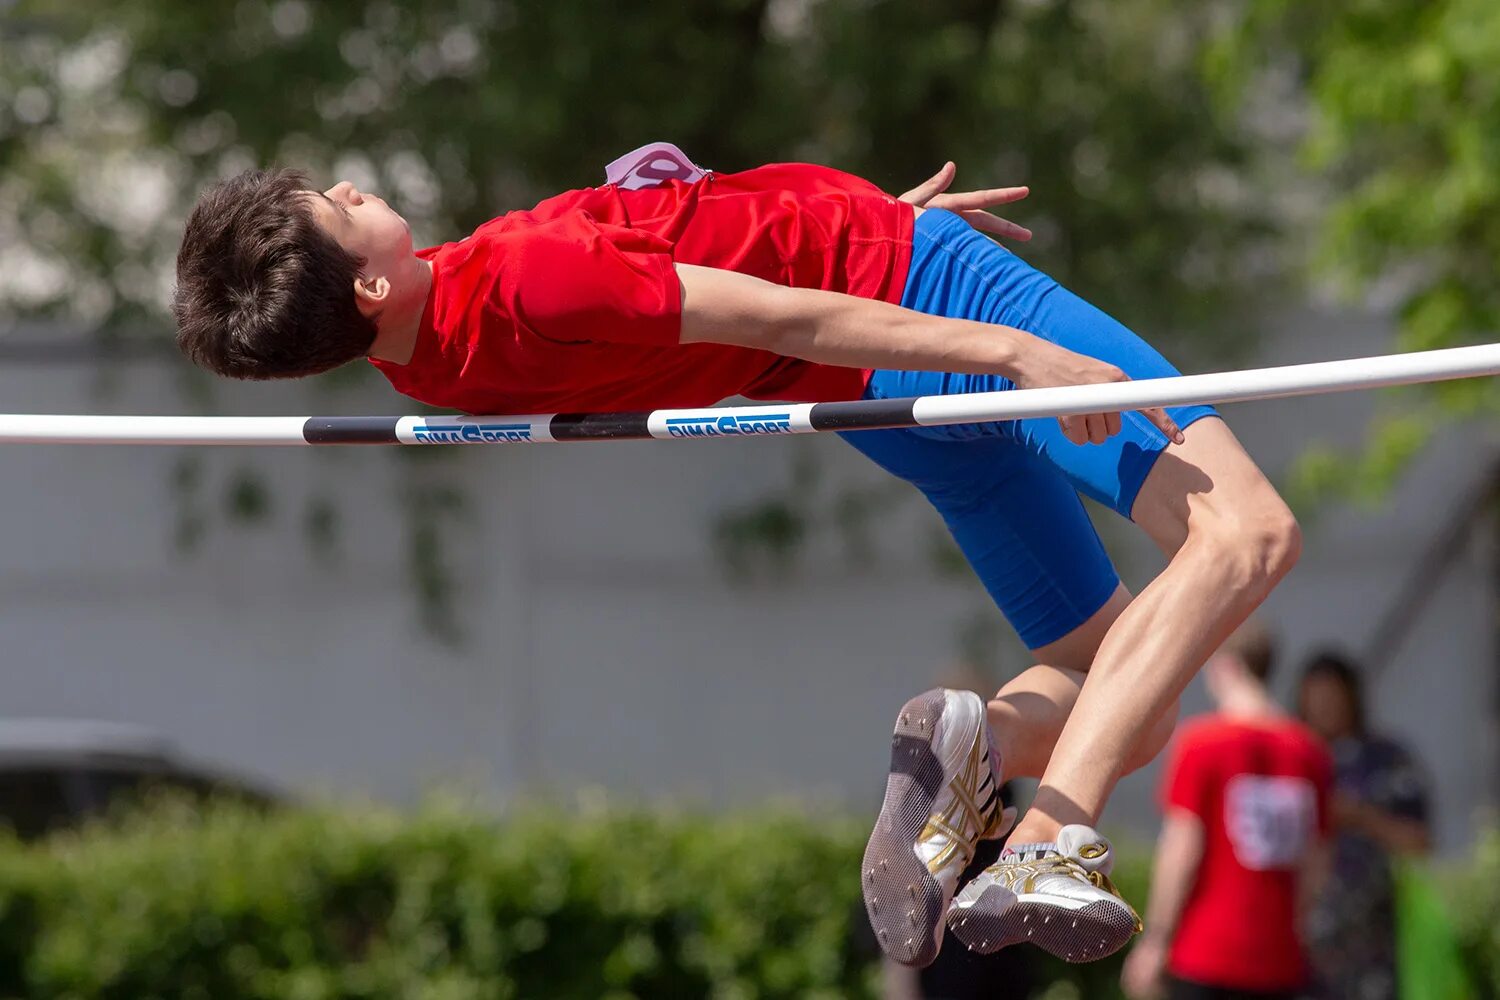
<point x="1261" y="791"/>
<point x="574" y="305"/>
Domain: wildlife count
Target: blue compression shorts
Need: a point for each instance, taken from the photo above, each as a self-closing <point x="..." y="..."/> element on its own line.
<point x="1009" y="491"/>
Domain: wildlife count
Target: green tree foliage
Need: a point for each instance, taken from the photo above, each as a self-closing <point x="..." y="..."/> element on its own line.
<point x="113" y="115"/>
<point x="1403" y="134"/>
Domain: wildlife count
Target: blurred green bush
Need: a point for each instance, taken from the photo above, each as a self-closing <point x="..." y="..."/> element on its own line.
<point x="224" y="902"/>
<point x="227" y="903"/>
<point x="174" y="901"/>
<point x="1471" y="891"/>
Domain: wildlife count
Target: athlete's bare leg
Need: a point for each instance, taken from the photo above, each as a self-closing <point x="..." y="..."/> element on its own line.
<point x="1231" y="539"/>
<point x="1027" y="715"/>
<point x="942" y="794"/>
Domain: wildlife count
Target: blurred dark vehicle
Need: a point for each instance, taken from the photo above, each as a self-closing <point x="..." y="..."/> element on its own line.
<point x="56" y="773"/>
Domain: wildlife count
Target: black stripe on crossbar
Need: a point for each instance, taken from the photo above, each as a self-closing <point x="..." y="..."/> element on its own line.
<point x="350" y="430"/>
<point x="599" y="426"/>
<point x="863" y="415"/>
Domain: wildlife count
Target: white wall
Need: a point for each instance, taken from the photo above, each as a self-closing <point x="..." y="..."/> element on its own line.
<point x="605" y="645"/>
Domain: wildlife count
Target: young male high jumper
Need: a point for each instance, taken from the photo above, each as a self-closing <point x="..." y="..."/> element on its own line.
<point x="671" y="286"/>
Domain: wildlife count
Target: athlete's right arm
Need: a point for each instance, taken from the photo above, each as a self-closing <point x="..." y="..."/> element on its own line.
<point x="726" y="307"/>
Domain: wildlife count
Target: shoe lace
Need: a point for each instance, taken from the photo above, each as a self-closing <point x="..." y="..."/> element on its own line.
<point x="1026" y="873"/>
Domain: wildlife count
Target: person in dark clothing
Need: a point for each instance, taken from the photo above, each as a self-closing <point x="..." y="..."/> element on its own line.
<point x="1380" y="811"/>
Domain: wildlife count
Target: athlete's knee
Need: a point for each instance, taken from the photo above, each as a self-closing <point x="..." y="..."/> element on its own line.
<point x="1274" y="542"/>
<point x="1255" y="539"/>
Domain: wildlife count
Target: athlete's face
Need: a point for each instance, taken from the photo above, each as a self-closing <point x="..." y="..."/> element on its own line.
<point x="363" y="224"/>
<point x="1327" y="707"/>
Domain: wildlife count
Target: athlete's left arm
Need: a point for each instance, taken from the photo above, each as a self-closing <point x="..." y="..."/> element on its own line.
<point x="726" y="307"/>
<point x="1179" y="853"/>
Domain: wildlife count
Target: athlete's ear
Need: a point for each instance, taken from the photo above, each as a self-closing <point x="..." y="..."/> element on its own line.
<point x="370" y="294"/>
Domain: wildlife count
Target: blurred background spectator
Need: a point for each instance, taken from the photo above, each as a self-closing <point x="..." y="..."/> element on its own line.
<point x="1245" y="799"/>
<point x="1381" y="813"/>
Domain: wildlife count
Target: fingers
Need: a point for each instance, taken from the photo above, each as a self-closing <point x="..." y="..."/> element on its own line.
<point x="1098" y="427"/>
<point x="934" y="185"/>
<point x="960" y="200"/>
<point x="1155" y="414"/>
<point x="1084" y="428"/>
<point x="1075" y="428"/>
<point x="995" y="226"/>
<point x="1090" y="428"/>
<point x="972" y="204"/>
<point x="1166" y="424"/>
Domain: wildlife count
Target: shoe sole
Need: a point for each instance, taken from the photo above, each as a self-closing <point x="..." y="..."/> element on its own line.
<point x="904" y="901"/>
<point x="998" y="920"/>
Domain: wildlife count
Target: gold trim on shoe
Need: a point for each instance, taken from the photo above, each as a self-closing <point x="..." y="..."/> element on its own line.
<point x="1026" y="873"/>
<point x="964" y="810"/>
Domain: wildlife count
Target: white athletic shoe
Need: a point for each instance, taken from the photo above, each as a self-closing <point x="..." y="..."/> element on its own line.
<point x="941" y="799"/>
<point x="1057" y="896"/>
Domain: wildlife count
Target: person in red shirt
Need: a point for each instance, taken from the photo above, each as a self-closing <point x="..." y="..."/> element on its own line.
<point x="673" y="286"/>
<point x="1243" y="845"/>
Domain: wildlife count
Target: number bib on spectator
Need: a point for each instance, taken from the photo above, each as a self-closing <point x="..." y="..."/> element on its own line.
<point x="1269" y="820"/>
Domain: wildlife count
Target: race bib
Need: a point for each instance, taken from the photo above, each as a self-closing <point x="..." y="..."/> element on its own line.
<point x="1269" y="819"/>
<point x="654" y="163"/>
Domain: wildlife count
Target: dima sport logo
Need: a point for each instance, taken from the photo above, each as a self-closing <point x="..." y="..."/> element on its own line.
<point x="713" y="425"/>
<point x="470" y="433"/>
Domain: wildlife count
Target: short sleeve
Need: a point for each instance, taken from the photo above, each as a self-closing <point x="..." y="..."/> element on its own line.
<point x="1186" y="780"/>
<point x="576" y="280"/>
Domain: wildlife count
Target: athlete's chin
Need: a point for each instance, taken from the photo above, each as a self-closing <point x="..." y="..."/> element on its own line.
<point x="395" y="219"/>
<point x="398" y="239"/>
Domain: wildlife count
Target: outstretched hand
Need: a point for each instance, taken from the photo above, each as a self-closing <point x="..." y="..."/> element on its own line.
<point x="1043" y="363"/>
<point x="972" y="205"/>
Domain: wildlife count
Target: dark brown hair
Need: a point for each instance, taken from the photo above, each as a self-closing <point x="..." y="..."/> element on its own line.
<point x="263" y="291"/>
<point x="1332" y="665"/>
<point x="1253" y="646"/>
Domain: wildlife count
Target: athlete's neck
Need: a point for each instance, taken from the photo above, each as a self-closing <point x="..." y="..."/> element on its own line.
<point x="397" y="326"/>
